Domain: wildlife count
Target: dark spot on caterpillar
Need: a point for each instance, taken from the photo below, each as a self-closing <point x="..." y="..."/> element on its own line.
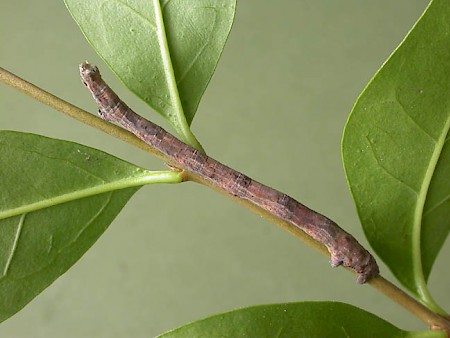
<point x="243" y="180"/>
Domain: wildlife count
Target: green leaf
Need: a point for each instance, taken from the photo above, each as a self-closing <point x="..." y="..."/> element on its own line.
<point x="308" y="319"/>
<point x="397" y="155"/>
<point x="159" y="51"/>
<point x="56" y="199"/>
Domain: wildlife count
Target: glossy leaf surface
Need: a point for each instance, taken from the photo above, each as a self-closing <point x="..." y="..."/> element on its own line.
<point x="308" y="319"/>
<point x="56" y="199"/>
<point x="397" y="155"/>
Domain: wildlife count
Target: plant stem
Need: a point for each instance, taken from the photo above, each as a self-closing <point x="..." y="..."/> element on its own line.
<point x="379" y="283"/>
<point x="69" y="109"/>
<point x="412" y="305"/>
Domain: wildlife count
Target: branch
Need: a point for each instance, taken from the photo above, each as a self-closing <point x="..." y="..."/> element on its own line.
<point x="69" y="109"/>
<point x="381" y="284"/>
<point x="419" y="310"/>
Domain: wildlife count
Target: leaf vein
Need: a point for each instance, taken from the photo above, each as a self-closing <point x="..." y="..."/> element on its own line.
<point x="165" y="3"/>
<point x="15" y="244"/>
<point x="404" y="110"/>
<point x="23" y="177"/>
<point x="54" y="158"/>
<point x="93" y="218"/>
<point x="201" y="49"/>
<point x="372" y="147"/>
<point x="437" y="205"/>
<point x="418" y="214"/>
<point x="74" y="195"/>
<point x="140" y="15"/>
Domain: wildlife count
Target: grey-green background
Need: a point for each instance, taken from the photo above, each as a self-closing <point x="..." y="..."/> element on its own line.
<point x="275" y="109"/>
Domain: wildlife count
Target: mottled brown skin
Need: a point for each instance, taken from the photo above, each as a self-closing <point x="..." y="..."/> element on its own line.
<point x="343" y="247"/>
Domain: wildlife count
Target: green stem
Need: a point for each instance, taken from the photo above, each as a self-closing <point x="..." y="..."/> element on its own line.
<point x="69" y="109"/>
<point x="411" y="304"/>
<point x="381" y="284"/>
<point x="179" y="120"/>
<point x="428" y="300"/>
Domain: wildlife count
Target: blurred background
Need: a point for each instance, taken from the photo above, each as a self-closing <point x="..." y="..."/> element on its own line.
<point x="275" y="110"/>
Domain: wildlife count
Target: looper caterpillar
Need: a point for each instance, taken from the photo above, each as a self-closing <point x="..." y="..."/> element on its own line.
<point x="344" y="249"/>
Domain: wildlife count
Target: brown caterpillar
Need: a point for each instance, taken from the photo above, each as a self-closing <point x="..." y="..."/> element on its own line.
<point x="343" y="247"/>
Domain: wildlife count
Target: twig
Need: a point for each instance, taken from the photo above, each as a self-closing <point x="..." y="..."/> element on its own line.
<point x="412" y="305"/>
<point x="381" y="284"/>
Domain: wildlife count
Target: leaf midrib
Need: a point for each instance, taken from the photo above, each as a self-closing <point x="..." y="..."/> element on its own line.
<point x="79" y="194"/>
<point x="418" y="214"/>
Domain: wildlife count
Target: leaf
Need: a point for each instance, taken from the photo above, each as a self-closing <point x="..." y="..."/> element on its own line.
<point x="127" y="35"/>
<point x="56" y="199"/>
<point x="397" y="155"/>
<point x="307" y="319"/>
